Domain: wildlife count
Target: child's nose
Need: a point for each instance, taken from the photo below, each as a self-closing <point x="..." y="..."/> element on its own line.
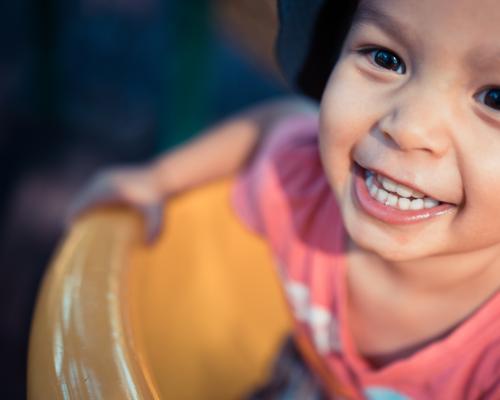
<point x="418" y="121"/>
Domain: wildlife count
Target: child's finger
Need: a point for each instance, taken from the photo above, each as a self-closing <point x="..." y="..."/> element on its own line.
<point x="87" y="200"/>
<point x="153" y="221"/>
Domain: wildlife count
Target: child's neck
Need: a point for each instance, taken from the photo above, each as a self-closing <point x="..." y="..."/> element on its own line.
<point x="397" y="308"/>
<point x="449" y="273"/>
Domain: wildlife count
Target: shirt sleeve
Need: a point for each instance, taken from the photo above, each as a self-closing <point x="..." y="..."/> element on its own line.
<point x="258" y="185"/>
<point x="279" y="191"/>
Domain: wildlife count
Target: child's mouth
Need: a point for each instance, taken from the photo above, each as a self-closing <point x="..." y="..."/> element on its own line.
<point x="394" y="202"/>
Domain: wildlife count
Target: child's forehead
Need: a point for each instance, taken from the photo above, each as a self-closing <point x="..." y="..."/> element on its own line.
<point x="468" y="11"/>
<point x="457" y="23"/>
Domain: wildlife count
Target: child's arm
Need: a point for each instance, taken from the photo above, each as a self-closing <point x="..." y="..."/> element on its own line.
<point x="217" y="152"/>
<point x="223" y="149"/>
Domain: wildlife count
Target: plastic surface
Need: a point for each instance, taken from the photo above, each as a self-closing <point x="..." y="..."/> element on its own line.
<point x="197" y="315"/>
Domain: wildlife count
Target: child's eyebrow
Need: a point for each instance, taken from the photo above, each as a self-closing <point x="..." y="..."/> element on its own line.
<point x="366" y="13"/>
<point x="483" y="58"/>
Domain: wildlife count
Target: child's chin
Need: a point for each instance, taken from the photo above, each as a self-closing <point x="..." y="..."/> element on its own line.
<point x="396" y="256"/>
<point x="389" y="247"/>
<point x="389" y="253"/>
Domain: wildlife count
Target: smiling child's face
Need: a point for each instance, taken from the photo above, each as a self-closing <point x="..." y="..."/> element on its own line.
<point x="410" y="128"/>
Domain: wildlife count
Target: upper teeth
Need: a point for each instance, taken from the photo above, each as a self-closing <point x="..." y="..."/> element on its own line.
<point x="397" y="195"/>
<point x="402" y="190"/>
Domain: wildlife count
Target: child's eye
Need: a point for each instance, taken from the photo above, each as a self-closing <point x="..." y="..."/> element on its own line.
<point x="490" y="97"/>
<point x="386" y="59"/>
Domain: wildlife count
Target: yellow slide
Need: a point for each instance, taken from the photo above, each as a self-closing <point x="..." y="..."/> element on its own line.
<point x="197" y="315"/>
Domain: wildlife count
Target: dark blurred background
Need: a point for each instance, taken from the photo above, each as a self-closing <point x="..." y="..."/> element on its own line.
<point x="89" y="83"/>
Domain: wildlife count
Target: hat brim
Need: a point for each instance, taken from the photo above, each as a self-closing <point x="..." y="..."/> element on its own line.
<point x="309" y="41"/>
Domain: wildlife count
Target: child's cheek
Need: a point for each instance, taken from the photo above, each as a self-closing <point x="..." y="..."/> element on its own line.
<point x="346" y="117"/>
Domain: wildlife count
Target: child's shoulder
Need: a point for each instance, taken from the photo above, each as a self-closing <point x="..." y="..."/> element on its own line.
<point x="289" y="132"/>
<point x="283" y="192"/>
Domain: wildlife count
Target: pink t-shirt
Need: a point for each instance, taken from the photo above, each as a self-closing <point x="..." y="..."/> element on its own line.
<point x="284" y="196"/>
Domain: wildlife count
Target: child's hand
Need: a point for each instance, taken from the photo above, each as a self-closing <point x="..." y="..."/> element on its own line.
<point x="134" y="186"/>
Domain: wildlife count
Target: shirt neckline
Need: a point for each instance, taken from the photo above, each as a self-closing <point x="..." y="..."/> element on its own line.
<point x="443" y="350"/>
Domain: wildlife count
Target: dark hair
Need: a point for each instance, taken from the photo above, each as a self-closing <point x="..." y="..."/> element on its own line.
<point x="310" y="39"/>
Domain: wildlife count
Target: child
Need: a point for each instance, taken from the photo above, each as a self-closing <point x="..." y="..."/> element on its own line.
<point x="380" y="209"/>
